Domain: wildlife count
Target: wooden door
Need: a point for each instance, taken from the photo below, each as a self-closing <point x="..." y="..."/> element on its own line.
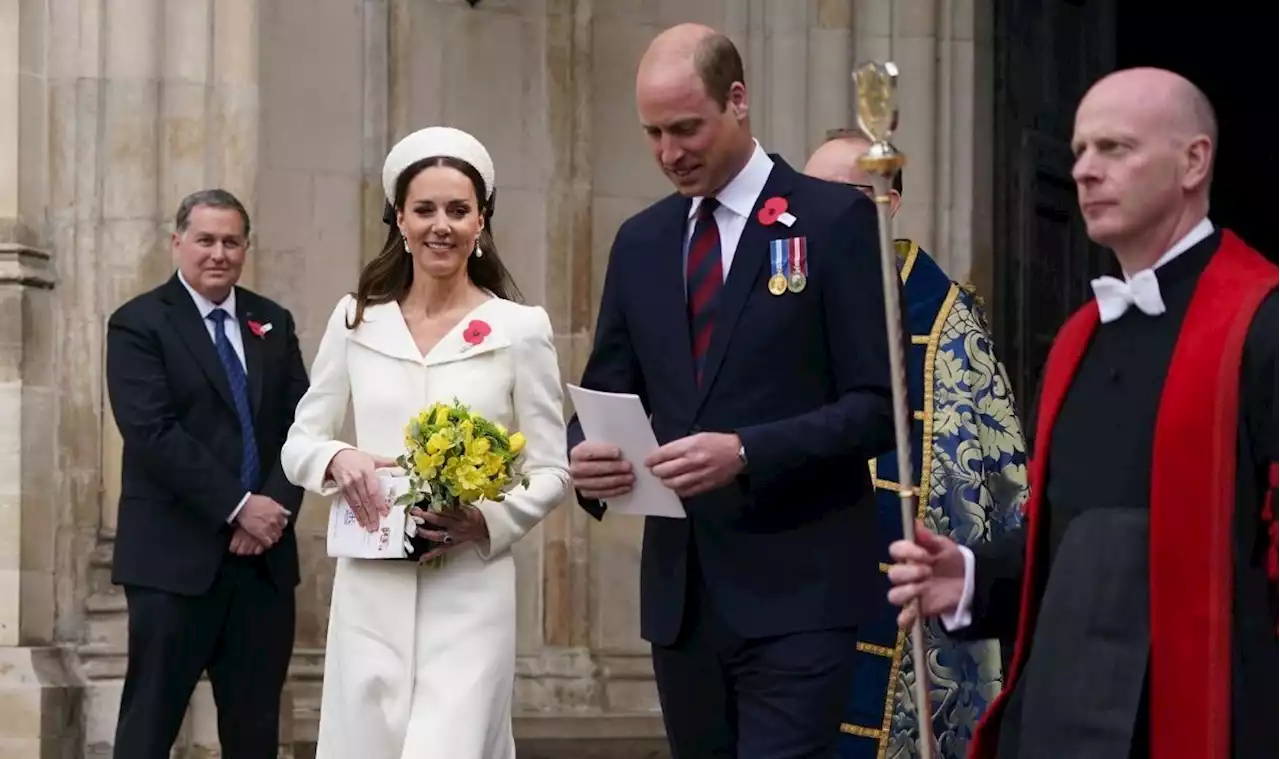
<point x="1047" y="53"/>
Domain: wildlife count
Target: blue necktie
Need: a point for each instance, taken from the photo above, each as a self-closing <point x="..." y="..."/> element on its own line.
<point x="240" y="393"/>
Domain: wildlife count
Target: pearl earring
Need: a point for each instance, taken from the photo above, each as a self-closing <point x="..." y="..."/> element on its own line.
<point x="479" y="251"/>
<point x="407" y="249"/>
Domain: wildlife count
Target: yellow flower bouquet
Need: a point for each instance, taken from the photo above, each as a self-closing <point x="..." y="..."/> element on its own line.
<point x="454" y="458"/>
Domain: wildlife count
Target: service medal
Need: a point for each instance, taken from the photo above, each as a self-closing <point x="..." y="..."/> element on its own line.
<point x="797" y="282"/>
<point x="797" y="254"/>
<point x="778" y="266"/>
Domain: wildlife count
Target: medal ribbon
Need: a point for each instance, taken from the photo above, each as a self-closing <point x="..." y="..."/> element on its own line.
<point x="799" y="261"/>
<point x="777" y="257"/>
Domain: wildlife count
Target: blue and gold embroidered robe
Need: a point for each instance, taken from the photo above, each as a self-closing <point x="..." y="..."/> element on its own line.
<point x="967" y="438"/>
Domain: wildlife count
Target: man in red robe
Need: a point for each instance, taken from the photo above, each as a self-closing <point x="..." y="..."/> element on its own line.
<point x="1142" y="587"/>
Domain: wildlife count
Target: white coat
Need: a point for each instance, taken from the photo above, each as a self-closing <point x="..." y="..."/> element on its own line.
<point x="420" y="662"/>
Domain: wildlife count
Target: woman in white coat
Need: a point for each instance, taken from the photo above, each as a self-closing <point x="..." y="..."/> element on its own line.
<point x="420" y="661"/>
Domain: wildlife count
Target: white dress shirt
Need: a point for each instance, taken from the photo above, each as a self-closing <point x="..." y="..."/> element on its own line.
<point x="232" y="324"/>
<point x="737" y="201"/>
<point x="963" y="616"/>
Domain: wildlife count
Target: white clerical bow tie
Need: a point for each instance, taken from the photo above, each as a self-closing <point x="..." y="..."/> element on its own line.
<point x="1115" y="295"/>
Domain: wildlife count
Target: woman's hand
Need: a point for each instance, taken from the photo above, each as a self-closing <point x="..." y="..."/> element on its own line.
<point x="453" y="528"/>
<point x="356" y="473"/>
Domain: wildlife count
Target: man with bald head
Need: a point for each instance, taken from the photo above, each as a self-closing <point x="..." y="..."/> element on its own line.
<point x="969" y="454"/>
<point x="746" y="312"/>
<point x="1143" y="589"/>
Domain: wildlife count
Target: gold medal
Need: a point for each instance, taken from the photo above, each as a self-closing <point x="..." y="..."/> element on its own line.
<point x="797" y="282"/>
<point x="777" y="284"/>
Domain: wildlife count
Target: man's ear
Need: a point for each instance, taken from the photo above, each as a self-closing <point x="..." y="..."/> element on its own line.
<point x="737" y="101"/>
<point x="895" y="200"/>
<point x="1199" y="160"/>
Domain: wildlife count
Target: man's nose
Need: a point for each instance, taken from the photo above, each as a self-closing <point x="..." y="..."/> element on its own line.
<point x="670" y="152"/>
<point x="1085" y="167"/>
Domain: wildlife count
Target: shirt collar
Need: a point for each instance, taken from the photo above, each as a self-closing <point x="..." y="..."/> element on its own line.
<point x="741" y="193"/>
<point x="206" y="306"/>
<point x="1198" y="232"/>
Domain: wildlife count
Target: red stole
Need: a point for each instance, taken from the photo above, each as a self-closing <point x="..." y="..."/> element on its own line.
<point x="1192" y="507"/>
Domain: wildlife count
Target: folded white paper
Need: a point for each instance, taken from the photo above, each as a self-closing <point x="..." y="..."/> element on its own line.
<point x="619" y="419"/>
<point x="348" y="540"/>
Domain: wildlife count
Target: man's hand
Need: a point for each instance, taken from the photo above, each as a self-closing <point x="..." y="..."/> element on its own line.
<point x="244" y="544"/>
<point x="930" y="571"/>
<point x="599" y="471"/>
<point x="698" y="463"/>
<point x="263" y="519"/>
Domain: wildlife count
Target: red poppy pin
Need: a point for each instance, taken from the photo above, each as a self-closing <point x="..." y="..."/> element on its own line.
<point x="260" y="329"/>
<point x="775" y="210"/>
<point x="476" y="332"/>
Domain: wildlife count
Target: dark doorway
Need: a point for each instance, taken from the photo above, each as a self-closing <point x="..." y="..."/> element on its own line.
<point x="1047" y="53"/>
<point x="1225" y="49"/>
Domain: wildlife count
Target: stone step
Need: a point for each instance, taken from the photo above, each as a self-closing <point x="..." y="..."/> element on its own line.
<point x="599" y="748"/>
<point x="111" y="601"/>
<point x="566" y="748"/>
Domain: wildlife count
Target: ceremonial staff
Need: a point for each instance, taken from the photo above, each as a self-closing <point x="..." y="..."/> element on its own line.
<point x="877" y="85"/>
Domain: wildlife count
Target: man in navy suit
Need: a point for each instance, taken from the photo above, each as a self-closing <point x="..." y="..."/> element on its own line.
<point x="746" y="311"/>
<point x="203" y="377"/>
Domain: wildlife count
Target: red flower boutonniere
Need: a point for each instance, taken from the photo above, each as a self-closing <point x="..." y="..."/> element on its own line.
<point x="476" y="332"/>
<point x="773" y="211"/>
<point x="259" y="329"/>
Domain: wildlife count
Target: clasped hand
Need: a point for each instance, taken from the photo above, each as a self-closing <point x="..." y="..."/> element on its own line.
<point x="452" y="529"/>
<point x="689" y="466"/>
<point x="259" y="525"/>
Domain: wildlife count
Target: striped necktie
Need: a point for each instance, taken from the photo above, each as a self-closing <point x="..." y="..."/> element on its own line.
<point x="703" y="277"/>
<point x="240" y="394"/>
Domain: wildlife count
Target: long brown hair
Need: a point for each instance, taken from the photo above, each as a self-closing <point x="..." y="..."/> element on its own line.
<point x="388" y="277"/>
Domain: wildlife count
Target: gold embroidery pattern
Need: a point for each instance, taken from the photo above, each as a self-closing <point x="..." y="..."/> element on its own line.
<point x="976" y="461"/>
<point x="973" y="484"/>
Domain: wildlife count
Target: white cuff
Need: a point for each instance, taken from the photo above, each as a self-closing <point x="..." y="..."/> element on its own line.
<point x="232" y="519"/>
<point x="962" y="616"/>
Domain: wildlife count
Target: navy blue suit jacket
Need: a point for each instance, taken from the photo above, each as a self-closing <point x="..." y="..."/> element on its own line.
<point x="802" y="378"/>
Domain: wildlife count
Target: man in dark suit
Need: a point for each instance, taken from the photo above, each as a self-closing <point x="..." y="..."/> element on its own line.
<point x="203" y="378"/>
<point x="746" y="311"/>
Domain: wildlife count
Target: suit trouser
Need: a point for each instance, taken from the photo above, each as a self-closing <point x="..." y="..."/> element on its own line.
<point x="240" y="632"/>
<point x="725" y="697"/>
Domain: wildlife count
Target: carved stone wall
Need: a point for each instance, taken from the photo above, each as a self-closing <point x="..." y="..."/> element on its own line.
<point x="112" y="110"/>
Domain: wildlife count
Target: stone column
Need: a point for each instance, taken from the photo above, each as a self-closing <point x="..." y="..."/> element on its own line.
<point x="797" y="57"/>
<point x="147" y="101"/>
<point x="37" y="693"/>
<point x="943" y="50"/>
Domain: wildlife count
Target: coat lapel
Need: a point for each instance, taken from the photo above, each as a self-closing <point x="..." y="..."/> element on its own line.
<point x="252" y="350"/>
<point x="744" y="273"/>
<point x="383" y="330"/>
<point x="185" y="318"/>
<point x="481" y="331"/>
<point x="669" y="304"/>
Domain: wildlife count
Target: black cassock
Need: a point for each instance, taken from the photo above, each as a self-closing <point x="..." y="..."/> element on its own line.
<point x="1084" y="689"/>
